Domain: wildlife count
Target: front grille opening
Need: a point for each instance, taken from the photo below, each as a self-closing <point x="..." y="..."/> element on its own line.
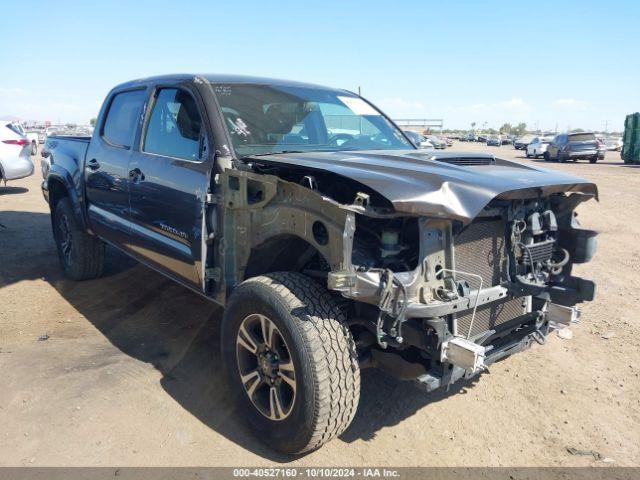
<point x="481" y="249"/>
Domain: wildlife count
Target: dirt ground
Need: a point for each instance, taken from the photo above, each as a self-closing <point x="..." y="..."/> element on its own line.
<point x="130" y="372"/>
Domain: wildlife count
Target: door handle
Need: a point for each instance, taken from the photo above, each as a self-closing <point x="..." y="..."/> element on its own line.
<point x="93" y="164"/>
<point x="136" y="175"/>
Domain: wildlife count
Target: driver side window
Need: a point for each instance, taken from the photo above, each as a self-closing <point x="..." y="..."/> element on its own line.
<point x="175" y="126"/>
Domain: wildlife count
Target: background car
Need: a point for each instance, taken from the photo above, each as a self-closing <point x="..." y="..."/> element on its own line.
<point x="418" y="140"/>
<point x="437" y="142"/>
<point x="522" y="142"/>
<point x="537" y="147"/>
<point x="602" y="149"/>
<point x="494" y="140"/>
<point x="50" y="131"/>
<point x="613" y="143"/>
<point x="15" y="153"/>
<point x="575" y="146"/>
<point x="33" y="137"/>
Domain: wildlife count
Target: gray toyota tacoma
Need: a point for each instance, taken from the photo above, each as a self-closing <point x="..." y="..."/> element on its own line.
<point x="333" y="243"/>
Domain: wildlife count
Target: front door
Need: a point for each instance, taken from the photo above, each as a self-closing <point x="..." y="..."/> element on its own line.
<point x="169" y="178"/>
<point x="106" y="166"/>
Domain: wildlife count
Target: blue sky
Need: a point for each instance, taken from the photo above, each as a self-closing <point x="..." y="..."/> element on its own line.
<point x="574" y="64"/>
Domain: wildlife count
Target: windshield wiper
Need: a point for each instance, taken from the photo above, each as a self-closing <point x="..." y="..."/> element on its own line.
<point x="275" y="153"/>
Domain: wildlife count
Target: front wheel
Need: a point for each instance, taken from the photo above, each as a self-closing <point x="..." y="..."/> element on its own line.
<point x="34" y="148"/>
<point x="291" y="361"/>
<point x="81" y="255"/>
<point x="593" y="159"/>
<point x="547" y="158"/>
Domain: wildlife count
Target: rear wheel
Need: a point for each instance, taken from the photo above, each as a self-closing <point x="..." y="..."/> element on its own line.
<point x="81" y="255"/>
<point x="291" y="361"/>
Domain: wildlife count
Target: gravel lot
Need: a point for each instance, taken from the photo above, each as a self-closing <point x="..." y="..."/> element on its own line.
<point x="129" y="374"/>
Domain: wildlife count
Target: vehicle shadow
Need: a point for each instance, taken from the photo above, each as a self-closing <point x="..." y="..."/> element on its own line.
<point x="156" y="321"/>
<point x="12" y="190"/>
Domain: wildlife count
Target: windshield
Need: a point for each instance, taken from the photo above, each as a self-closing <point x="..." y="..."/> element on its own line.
<point x="267" y="119"/>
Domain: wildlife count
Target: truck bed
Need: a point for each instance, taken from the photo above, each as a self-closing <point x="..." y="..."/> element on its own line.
<point x="66" y="151"/>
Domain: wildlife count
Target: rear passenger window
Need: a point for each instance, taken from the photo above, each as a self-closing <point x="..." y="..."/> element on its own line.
<point x="122" y="118"/>
<point x="174" y="126"/>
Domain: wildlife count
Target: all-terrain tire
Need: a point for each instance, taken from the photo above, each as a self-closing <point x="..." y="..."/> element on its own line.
<point x="322" y="350"/>
<point x="84" y="258"/>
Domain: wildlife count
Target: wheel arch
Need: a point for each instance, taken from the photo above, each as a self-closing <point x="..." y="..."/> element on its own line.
<point x="283" y="252"/>
<point x="60" y="188"/>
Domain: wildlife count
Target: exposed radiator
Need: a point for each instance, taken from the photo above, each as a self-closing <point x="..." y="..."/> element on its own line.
<point x="490" y="316"/>
<point x="481" y="249"/>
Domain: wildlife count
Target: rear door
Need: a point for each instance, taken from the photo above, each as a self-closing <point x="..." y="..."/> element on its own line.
<point x="106" y="167"/>
<point x="169" y="179"/>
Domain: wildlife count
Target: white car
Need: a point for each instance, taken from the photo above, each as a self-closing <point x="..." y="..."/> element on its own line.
<point x="50" y="131"/>
<point x="613" y="143"/>
<point x="537" y="147"/>
<point x="419" y="140"/>
<point x="15" y="153"/>
<point x="34" y="138"/>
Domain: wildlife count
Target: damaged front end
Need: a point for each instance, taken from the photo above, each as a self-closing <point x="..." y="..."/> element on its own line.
<point x="446" y="262"/>
<point x="438" y="299"/>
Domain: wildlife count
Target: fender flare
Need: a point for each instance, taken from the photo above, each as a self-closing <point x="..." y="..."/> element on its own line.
<point x="63" y="176"/>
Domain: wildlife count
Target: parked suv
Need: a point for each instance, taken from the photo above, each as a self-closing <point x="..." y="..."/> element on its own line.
<point x="574" y="146"/>
<point x="15" y="153"/>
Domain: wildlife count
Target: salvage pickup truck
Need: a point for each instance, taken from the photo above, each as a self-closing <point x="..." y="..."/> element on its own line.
<point x="333" y="243"/>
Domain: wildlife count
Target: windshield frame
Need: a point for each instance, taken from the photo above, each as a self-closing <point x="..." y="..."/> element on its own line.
<point x="337" y="92"/>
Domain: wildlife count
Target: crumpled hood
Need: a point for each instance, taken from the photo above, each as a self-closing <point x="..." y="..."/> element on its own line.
<point x="422" y="183"/>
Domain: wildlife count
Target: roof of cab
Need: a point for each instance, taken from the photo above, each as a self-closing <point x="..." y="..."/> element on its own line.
<point x="220" y="78"/>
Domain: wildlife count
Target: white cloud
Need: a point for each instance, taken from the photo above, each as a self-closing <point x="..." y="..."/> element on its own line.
<point x="571" y="103"/>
